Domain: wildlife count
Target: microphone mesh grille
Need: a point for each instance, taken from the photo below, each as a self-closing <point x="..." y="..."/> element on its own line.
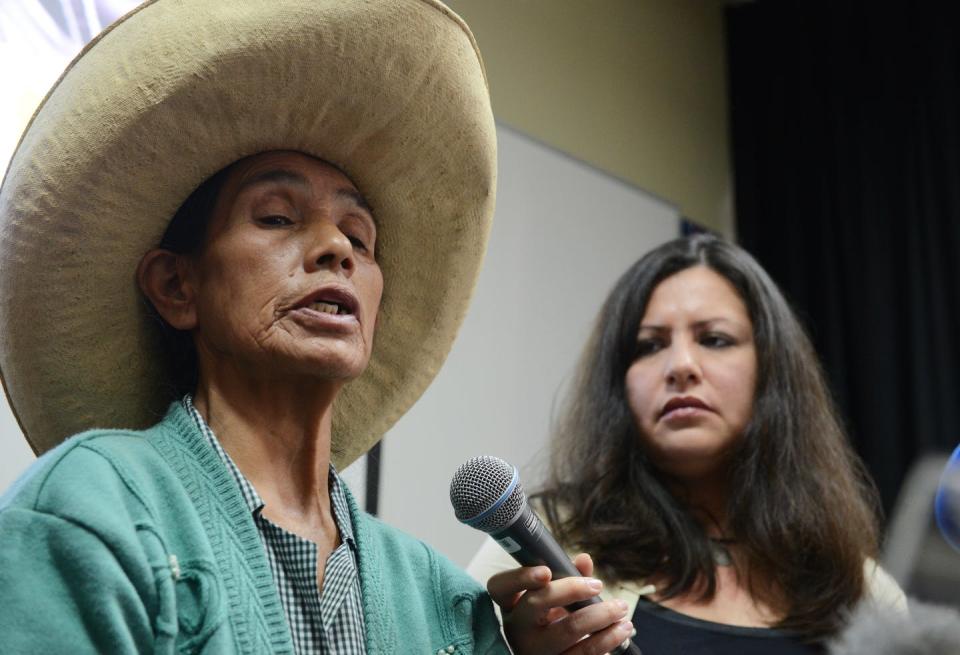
<point x="477" y="485"/>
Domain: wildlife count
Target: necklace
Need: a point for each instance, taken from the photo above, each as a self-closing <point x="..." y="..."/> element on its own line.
<point x="720" y="552"/>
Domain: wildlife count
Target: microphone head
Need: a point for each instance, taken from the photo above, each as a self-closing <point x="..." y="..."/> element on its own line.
<point x="947" y="503"/>
<point x="486" y="493"/>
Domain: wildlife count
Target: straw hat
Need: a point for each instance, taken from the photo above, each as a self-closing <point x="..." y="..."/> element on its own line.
<point x="391" y="91"/>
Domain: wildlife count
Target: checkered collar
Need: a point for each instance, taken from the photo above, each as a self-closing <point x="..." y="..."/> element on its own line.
<point x="338" y="497"/>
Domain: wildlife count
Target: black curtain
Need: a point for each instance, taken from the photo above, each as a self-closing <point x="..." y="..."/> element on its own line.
<point x="847" y="165"/>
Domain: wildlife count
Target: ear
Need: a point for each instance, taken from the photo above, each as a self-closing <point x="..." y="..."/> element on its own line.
<point x="163" y="278"/>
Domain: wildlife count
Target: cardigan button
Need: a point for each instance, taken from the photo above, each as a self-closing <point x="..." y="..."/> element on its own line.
<point x="450" y="648"/>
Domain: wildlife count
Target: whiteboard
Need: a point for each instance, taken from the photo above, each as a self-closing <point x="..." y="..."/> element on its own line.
<point x="563" y="233"/>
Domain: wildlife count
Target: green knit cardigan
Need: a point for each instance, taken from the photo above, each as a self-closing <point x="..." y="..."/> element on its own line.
<point x="121" y="541"/>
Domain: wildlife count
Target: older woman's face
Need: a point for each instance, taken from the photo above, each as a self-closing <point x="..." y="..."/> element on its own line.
<point x="691" y="387"/>
<point x="287" y="283"/>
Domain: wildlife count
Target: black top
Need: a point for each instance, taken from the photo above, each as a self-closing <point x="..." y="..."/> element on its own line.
<point x="661" y="631"/>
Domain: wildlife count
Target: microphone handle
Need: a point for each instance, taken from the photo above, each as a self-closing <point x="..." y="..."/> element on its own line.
<point x="528" y="542"/>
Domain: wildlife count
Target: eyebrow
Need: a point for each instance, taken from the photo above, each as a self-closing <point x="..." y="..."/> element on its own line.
<point x="275" y="176"/>
<point x="357" y="197"/>
<point x="284" y="176"/>
<point x="698" y="324"/>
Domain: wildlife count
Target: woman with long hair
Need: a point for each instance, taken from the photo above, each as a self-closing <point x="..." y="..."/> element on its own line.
<point x="700" y="461"/>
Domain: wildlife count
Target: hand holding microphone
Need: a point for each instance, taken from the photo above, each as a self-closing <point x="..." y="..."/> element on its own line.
<point x="555" y="612"/>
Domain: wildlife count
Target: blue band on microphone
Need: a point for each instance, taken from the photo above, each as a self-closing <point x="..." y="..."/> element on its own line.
<point x="496" y="505"/>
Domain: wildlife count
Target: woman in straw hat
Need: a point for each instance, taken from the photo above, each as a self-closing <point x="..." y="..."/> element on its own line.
<point x="334" y="167"/>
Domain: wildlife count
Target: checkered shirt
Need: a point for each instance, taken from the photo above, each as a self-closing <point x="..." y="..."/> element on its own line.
<point x="328" y="620"/>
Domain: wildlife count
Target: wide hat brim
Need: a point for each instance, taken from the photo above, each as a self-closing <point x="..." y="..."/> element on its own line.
<point x="392" y="92"/>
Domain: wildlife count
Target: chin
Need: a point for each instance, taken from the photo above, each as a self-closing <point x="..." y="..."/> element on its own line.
<point x="326" y="364"/>
<point x="343" y="369"/>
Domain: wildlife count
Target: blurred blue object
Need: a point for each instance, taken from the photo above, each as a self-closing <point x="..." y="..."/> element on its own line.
<point x="947" y="502"/>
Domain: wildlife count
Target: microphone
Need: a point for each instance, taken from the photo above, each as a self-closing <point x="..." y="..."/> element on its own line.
<point x="486" y="494"/>
<point x="947" y="502"/>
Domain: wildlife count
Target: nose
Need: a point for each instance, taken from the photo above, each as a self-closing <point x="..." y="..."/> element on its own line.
<point x="329" y="248"/>
<point x="682" y="368"/>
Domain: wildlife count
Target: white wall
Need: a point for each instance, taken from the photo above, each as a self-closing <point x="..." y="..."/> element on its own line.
<point x="562" y="235"/>
<point x="15" y="454"/>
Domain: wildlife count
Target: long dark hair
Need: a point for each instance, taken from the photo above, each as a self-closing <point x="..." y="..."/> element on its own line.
<point x="801" y="508"/>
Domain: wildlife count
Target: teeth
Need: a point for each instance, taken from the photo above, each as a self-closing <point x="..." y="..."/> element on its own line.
<point x="327" y="307"/>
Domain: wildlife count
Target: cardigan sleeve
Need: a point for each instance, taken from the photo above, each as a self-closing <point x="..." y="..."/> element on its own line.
<point x="63" y="591"/>
<point x="486" y="630"/>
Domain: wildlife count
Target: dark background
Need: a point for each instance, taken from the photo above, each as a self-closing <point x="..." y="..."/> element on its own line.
<point x="847" y="165"/>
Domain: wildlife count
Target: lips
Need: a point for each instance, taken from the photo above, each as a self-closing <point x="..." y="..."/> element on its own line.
<point x="683" y="402"/>
<point x="333" y="299"/>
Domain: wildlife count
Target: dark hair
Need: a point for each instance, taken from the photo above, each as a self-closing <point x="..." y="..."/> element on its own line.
<point x="801" y="507"/>
<point x="187" y="231"/>
<point x="186" y="235"/>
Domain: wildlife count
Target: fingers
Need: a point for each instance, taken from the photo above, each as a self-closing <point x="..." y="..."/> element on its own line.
<point x="505" y="588"/>
<point x="558" y="593"/>
<point x="534" y="618"/>
<point x="597" y="628"/>
<point x="603" y="641"/>
<point x="584" y="564"/>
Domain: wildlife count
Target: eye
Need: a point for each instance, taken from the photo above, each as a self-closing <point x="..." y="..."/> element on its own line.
<point x="716" y="340"/>
<point x="357" y="243"/>
<point x="647" y="347"/>
<point x="274" y="220"/>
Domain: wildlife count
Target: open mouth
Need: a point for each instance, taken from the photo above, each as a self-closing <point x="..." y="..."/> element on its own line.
<point x="326" y="307"/>
<point x="336" y="301"/>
